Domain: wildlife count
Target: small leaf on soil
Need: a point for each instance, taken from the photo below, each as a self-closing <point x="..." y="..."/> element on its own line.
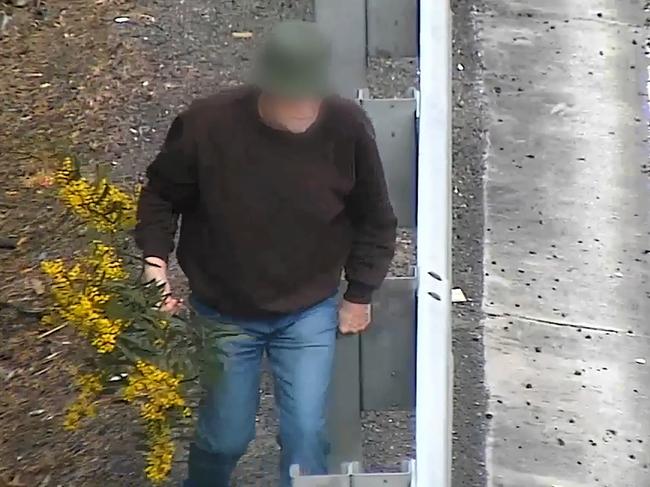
<point x="37" y="286"/>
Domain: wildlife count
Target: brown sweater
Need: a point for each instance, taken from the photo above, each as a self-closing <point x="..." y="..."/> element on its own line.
<point x="269" y="219"/>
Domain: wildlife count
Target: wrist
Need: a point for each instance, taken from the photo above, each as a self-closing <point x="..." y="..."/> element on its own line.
<point x="155" y="263"/>
<point x="155" y="269"/>
<point x="358" y="293"/>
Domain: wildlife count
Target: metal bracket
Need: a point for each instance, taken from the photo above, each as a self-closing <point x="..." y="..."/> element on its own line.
<point x="389" y="383"/>
<point x="358" y="28"/>
<point x="352" y="476"/>
<point x="344" y="415"/>
<point x="360" y="382"/>
<point x="394" y="120"/>
<point x="391" y="31"/>
<point x="344" y="22"/>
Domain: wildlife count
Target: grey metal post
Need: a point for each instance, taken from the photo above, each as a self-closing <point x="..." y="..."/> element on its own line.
<point x="392" y="28"/>
<point x="344" y="21"/>
<point x="344" y="421"/>
<point x="434" y="357"/>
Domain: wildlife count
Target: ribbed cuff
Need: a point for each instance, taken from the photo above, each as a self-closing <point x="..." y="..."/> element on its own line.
<point x="358" y="292"/>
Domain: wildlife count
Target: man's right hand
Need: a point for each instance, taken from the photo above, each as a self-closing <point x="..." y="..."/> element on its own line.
<point x="155" y="269"/>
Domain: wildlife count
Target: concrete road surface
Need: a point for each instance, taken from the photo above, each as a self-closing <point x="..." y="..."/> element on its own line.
<point x="567" y="242"/>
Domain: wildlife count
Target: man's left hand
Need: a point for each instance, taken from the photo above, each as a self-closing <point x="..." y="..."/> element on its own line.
<point x="353" y="317"/>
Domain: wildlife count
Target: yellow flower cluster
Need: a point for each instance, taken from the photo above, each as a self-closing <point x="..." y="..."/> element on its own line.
<point x="90" y="386"/>
<point x="80" y="301"/>
<point x="101" y="205"/>
<point x="160" y="454"/>
<point x="107" y="265"/>
<point x="156" y="389"/>
<point x="82" y="292"/>
<point x="157" y="392"/>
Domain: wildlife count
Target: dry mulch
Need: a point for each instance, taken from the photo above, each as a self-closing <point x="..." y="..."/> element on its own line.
<point x="66" y="77"/>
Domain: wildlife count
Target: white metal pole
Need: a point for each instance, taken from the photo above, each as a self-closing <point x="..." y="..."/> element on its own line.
<point x="434" y="355"/>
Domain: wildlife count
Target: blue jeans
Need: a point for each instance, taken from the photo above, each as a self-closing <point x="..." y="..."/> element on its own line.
<point x="300" y="349"/>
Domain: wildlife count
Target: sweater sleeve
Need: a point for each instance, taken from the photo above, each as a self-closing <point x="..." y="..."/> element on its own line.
<point x="170" y="190"/>
<point x="372" y="217"/>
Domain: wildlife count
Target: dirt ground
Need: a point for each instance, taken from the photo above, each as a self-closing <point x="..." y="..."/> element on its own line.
<point x="469" y="144"/>
<point x="101" y="79"/>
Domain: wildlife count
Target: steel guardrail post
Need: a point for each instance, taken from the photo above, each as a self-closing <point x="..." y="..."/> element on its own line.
<point x="434" y="355"/>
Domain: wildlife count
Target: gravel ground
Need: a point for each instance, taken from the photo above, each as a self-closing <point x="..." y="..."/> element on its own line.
<point x="391" y="78"/>
<point x="468" y="151"/>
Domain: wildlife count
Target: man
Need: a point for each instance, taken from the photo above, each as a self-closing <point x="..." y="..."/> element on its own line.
<point x="280" y="188"/>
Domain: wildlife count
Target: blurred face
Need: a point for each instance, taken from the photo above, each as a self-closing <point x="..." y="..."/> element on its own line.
<point x="294" y="115"/>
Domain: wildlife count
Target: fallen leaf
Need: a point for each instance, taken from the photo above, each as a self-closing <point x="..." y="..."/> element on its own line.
<point x="46" y="481"/>
<point x="242" y="35"/>
<point x="13" y="481"/>
<point x="37" y="286"/>
<point x="42" y="178"/>
<point x="4" y="22"/>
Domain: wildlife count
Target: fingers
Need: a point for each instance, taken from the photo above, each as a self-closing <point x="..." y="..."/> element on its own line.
<point x="349" y="325"/>
<point x="168" y="304"/>
<point x="352" y="330"/>
<point x="346" y="329"/>
<point x="172" y="305"/>
<point x="354" y="317"/>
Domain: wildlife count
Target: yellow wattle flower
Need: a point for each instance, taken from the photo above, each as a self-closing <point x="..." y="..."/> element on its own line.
<point x="81" y="292"/>
<point x="102" y="206"/>
<point x="90" y="385"/>
<point x="160" y="455"/>
<point x="156" y="388"/>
